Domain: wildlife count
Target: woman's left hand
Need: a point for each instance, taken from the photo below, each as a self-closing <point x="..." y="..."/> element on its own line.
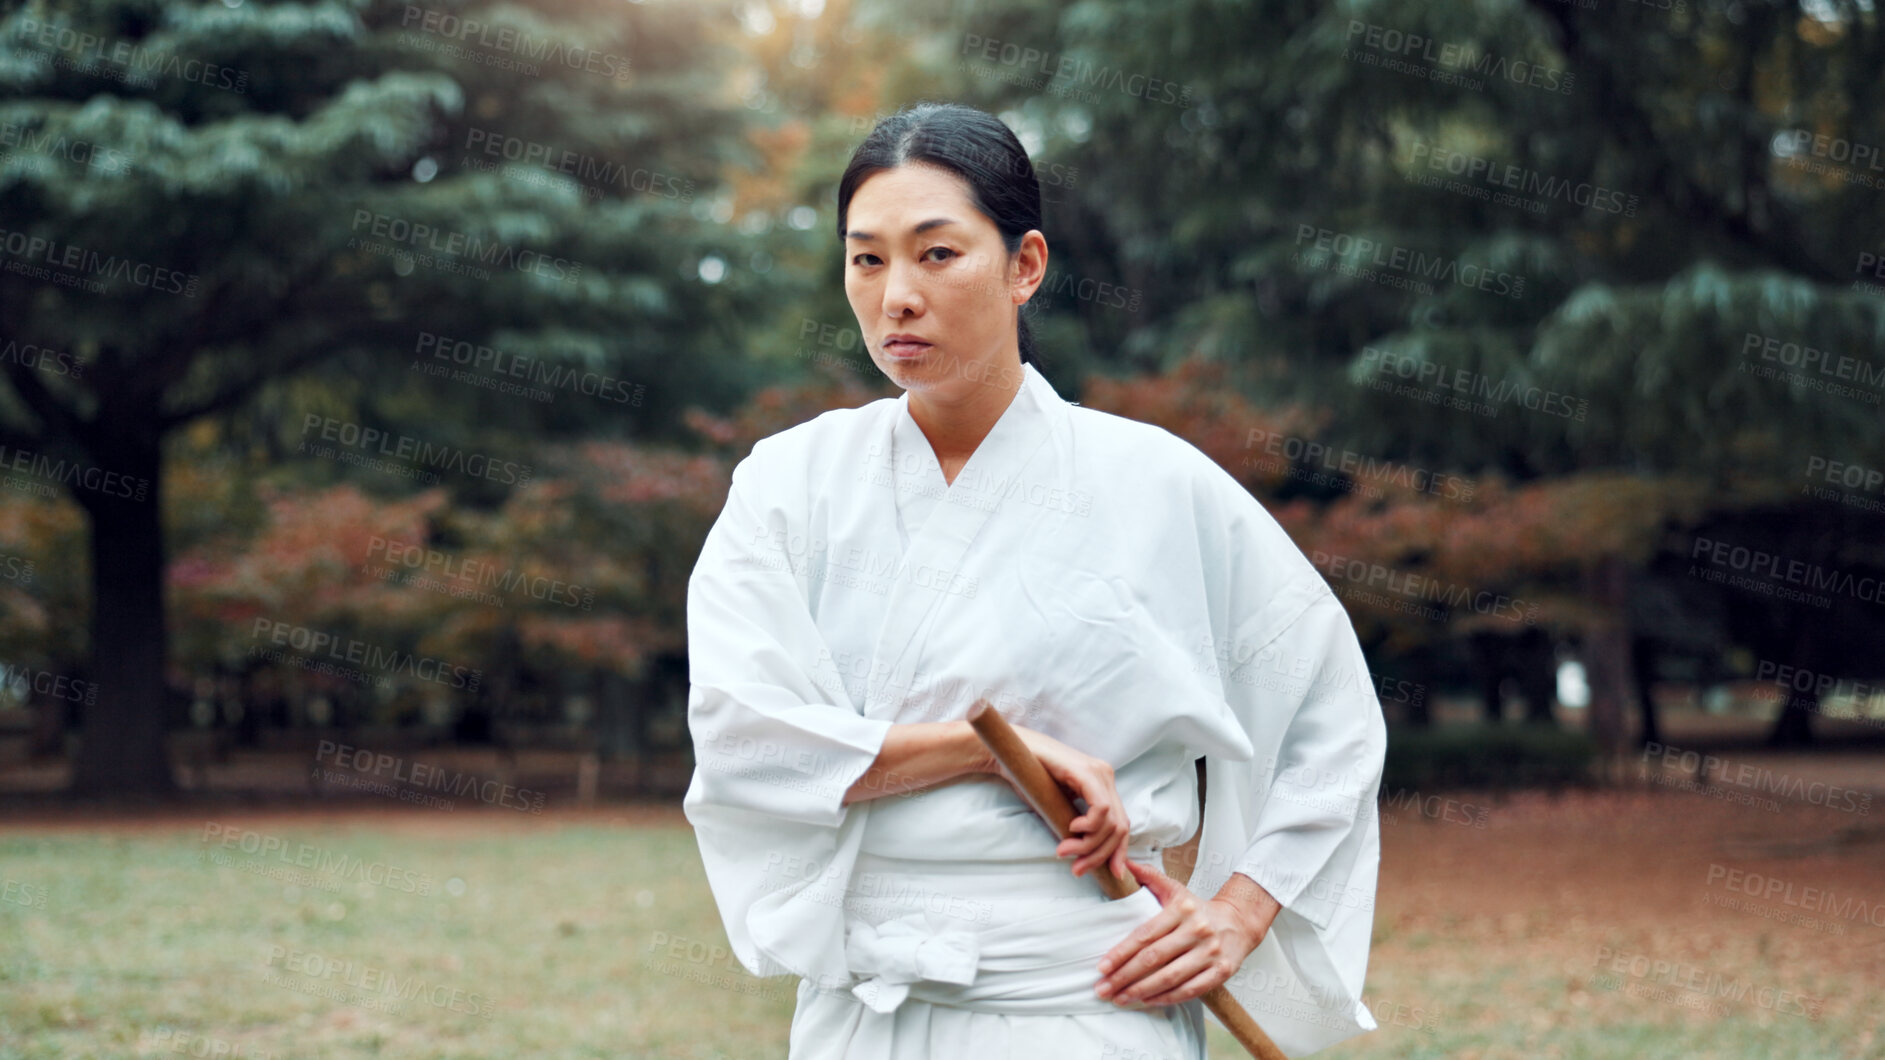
<point x="1192" y="945"/>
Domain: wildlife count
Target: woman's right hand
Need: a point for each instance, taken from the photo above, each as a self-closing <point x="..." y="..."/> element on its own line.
<point x="1100" y="833"/>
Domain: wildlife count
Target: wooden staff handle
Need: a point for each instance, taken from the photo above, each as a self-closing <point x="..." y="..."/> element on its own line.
<point x="1045" y="795"/>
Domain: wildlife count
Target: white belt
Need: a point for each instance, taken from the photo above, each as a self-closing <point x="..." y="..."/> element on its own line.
<point x="1045" y="966"/>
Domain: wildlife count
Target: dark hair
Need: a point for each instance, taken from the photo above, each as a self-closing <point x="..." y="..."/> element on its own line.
<point x="974" y="145"/>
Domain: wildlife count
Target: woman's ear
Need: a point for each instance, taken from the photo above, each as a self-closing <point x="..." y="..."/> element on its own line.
<point x="1030" y="265"/>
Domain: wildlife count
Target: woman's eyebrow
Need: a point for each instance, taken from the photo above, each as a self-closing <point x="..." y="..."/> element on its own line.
<point x="924" y="226"/>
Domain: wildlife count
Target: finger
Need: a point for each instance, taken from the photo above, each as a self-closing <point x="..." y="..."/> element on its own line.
<point x="1197" y="986"/>
<point x="1076" y="845"/>
<point x="1163" y="887"/>
<point x="1184" y="965"/>
<point x="1129" y="949"/>
<point x="1093" y="820"/>
<point x="1150" y="959"/>
<point x="1107" y="851"/>
<point x="1096" y="851"/>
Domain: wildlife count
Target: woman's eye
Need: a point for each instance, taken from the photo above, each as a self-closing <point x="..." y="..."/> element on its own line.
<point x="871" y="259"/>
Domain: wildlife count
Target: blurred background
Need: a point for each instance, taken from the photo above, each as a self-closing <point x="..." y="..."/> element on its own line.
<point x="373" y="371"/>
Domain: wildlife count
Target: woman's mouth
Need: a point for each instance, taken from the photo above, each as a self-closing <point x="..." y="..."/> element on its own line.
<point x="904" y="347"/>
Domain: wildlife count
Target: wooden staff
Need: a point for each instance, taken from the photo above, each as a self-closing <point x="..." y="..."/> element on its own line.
<point x="1044" y="793"/>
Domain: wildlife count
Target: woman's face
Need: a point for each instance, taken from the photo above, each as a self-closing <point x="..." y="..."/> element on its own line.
<point x="922" y="262"/>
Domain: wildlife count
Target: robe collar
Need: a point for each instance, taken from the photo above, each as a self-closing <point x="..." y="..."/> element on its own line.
<point x="1012" y="449"/>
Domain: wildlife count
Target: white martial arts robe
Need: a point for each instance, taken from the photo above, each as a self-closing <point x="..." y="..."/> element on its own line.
<point x="1097" y="579"/>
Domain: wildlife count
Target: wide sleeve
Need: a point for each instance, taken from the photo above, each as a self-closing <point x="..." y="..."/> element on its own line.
<point x="1324" y="775"/>
<point x="774" y="751"/>
<point x="1299" y="817"/>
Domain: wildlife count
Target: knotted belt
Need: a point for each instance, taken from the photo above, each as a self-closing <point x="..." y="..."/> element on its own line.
<point x="1045" y="966"/>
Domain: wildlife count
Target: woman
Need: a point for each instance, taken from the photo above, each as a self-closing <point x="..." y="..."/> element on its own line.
<point x="1123" y="602"/>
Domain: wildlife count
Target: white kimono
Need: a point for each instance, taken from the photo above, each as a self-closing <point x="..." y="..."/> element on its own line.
<point x="1097" y="579"/>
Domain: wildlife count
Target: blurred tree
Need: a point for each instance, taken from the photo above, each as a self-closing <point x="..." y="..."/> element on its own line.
<point x="1602" y="226"/>
<point x="428" y="202"/>
<point x="582" y="572"/>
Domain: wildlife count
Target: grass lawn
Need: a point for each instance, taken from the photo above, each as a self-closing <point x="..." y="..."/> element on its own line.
<point x="421" y="933"/>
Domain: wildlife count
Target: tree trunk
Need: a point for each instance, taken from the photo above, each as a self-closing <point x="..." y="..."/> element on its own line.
<point x="1607" y="645"/>
<point x="1643" y="671"/>
<point x="1489" y="673"/>
<point x="1538" y="677"/>
<point x="122" y="745"/>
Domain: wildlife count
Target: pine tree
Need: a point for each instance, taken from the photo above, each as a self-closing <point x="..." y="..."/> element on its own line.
<point x="203" y="200"/>
<point x="1637" y="211"/>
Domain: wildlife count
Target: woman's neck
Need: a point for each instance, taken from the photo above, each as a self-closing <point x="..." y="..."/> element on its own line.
<point x="955" y="429"/>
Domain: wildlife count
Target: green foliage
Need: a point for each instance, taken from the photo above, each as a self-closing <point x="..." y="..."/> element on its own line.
<point x="1668" y="210"/>
<point x="281" y="159"/>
